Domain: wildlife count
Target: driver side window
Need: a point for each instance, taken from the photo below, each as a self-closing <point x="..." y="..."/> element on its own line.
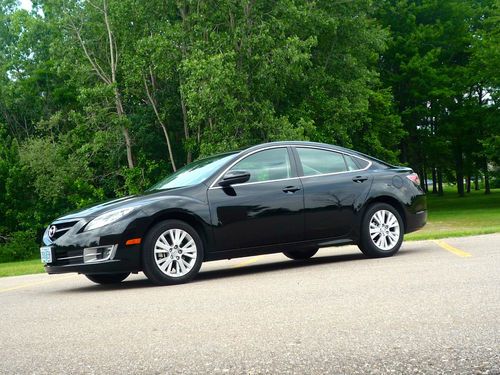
<point x="272" y="164"/>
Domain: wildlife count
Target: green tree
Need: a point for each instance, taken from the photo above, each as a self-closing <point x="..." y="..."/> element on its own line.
<point x="433" y="66"/>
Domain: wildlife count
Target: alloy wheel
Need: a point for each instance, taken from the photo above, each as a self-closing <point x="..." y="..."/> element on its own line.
<point x="175" y="252"/>
<point x="384" y="229"/>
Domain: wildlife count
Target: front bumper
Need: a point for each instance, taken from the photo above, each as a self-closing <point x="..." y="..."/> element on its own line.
<point x="69" y="254"/>
<point x="124" y="259"/>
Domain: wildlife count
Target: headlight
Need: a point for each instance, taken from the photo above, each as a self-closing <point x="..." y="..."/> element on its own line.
<point x="108" y="218"/>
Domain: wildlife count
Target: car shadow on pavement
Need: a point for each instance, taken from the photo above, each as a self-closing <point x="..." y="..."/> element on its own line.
<point x="229" y="272"/>
<point x="283" y="265"/>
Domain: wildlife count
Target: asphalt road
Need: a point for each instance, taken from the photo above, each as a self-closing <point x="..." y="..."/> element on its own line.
<point x="433" y="308"/>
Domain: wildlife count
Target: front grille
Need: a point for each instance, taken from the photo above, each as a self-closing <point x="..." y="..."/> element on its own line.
<point x="59" y="229"/>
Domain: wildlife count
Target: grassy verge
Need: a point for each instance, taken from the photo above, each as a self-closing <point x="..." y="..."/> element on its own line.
<point x="21" y="268"/>
<point x="452" y="216"/>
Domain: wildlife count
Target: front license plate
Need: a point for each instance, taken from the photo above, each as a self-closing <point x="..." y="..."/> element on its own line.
<point x="46" y="254"/>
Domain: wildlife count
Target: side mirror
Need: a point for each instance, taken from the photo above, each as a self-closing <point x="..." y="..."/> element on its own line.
<point x="234" y="177"/>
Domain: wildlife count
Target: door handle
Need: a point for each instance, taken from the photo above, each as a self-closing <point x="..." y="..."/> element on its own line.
<point x="291" y="189"/>
<point x="360" y="179"/>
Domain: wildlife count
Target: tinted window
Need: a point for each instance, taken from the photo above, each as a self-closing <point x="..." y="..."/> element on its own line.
<point x="362" y="163"/>
<point x="193" y="173"/>
<point x="315" y="161"/>
<point x="272" y="164"/>
<point x="351" y="165"/>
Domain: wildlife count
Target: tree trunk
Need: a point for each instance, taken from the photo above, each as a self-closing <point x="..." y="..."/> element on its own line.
<point x="108" y="78"/>
<point x="434" y="182"/>
<point x="440" y="182"/>
<point x="113" y="61"/>
<point x="152" y="101"/>
<point x="460" y="182"/>
<point x="468" y="183"/>
<point x="404" y="152"/>
<point x="422" y="179"/>
<point x="476" y="182"/>
<point x="460" y="173"/>
<point x="126" y="135"/>
<point x="426" y="184"/>
<point x="183" y="12"/>
<point x="185" y="122"/>
<point x="169" y="146"/>
<point x="128" y="146"/>
<point x="486" y="178"/>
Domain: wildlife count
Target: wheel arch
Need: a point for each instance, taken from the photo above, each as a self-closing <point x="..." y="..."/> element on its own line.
<point x="188" y="218"/>
<point x="394" y="202"/>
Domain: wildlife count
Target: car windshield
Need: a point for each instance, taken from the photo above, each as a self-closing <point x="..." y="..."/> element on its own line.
<point x="193" y="173"/>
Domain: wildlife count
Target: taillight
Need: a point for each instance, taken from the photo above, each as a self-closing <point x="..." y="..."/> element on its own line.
<point x="414" y="178"/>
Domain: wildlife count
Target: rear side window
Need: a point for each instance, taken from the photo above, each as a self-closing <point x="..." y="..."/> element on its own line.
<point x="361" y="162"/>
<point x="315" y="161"/>
<point x="351" y="164"/>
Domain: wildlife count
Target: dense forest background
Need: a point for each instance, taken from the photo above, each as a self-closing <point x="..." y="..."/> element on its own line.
<point x="101" y="98"/>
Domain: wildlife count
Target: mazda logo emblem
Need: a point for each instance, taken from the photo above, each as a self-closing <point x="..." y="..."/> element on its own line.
<point x="52" y="231"/>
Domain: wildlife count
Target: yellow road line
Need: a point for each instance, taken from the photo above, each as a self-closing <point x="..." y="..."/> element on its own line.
<point x="35" y="283"/>
<point x="452" y="249"/>
<point x="246" y="262"/>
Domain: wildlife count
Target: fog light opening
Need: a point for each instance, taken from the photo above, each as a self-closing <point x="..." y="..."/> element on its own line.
<point x="99" y="254"/>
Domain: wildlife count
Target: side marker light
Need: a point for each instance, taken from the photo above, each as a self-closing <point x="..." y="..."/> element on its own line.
<point x="133" y="241"/>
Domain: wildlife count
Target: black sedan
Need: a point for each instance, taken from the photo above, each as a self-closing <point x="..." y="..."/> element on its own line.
<point x="290" y="197"/>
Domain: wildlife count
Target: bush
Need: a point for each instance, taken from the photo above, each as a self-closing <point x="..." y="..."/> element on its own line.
<point x="20" y="246"/>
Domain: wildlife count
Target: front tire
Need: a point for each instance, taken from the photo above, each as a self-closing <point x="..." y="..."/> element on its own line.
<point x="301" y="254"/>
<point x="382" y="231"/>
<point x="108" y="278"/>
<point x="172" y="253"/>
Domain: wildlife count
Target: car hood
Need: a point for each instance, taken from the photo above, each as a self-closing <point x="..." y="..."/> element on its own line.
<point x="129" y="201"/>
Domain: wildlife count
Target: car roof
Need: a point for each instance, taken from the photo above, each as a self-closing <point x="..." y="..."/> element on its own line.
<point x="261" y="146"/>
<point x="314" y="144"/>
<point x="300" y="143"/>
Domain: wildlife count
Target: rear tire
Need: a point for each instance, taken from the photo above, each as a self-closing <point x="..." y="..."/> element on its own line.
<point x="301" y="254"/>
<point x="172" y="253"/>
<point x="382" y="231"/>
<point x="108" y="278"/>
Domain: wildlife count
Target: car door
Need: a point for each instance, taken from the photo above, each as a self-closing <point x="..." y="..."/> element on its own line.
<point x="335" y="187"/>
<point x="266" y="210"/>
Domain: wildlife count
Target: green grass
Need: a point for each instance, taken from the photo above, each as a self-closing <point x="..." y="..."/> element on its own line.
<point x="449" y="216"/>
<point x="452" y="216"/>
<point x="25" y="267"/>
